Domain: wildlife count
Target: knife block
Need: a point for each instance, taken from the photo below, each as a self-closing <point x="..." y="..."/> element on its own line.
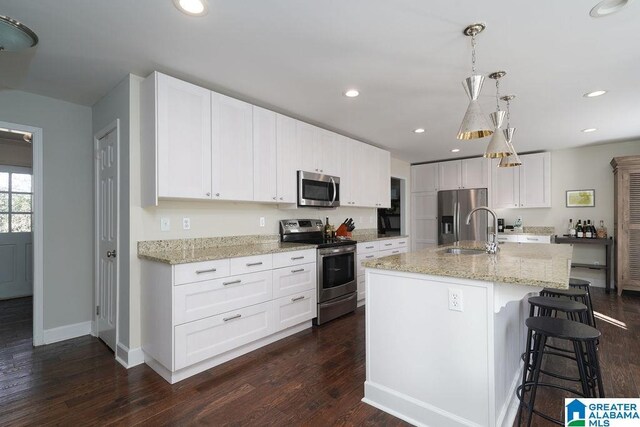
<point x="342" y="231"/>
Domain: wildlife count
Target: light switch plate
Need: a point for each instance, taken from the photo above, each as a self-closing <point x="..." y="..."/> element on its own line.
<point x="165" y="224"/>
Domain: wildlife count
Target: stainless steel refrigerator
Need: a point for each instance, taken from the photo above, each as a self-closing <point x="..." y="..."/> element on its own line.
<point x="453" y="208"/>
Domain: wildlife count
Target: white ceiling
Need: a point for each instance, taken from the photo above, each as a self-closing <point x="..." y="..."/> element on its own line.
<point x="407" y="58"/>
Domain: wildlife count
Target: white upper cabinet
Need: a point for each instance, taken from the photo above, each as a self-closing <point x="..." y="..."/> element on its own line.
<point x="330" y="147"/>
<point x="232" y="148"/>
<point x="383" y="162"/>
<point x="467" y="173"/>
<point x="176" y="126"/>
<point x="449" y="175"/>
<point x="525" y="186"/>
<point x="424" y="178"/>
<point x="308" y="139"/>
<point x="288" y="153"/>
<point x="265" y="164"/>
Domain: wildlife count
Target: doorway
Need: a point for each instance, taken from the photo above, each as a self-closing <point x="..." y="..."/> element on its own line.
<point x="391" y="221"/>
<point x="21" y="235"/>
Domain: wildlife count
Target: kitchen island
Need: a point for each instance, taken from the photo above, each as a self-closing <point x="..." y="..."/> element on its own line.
<point x="444" y="331"/>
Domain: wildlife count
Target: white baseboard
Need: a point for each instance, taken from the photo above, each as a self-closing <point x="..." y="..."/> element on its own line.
<point x="67" y="332"/>
<point x="129" y="357"/>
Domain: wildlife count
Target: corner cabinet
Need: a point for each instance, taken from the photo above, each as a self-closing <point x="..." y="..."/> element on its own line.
<point x="626" y="172"/>
<point x="525" y="186"/>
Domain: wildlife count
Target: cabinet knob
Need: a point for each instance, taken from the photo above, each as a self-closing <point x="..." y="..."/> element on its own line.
<point x="321" y="170"/>
<point x="280" y="198"/>
<point x="217" y="194"/>
<point x="208" y="194"/>
<point x="273" y="198"/>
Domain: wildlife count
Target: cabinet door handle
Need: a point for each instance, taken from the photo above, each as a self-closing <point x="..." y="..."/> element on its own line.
<point x="532" y="239"/>
<point x="402" y="243"/>
<point x="388" y="244"/>
<point x="370" y="256"/>
<point x="297" y="299"/>
<point x="293" y="258"/>
<point x="232" y="282"/>
<point x="211" y="270"/>
<point x="369" y="247"/>
<point x="395" y="252"/>
<point x="298" y="270"/>
<point x="226" y="319"/>
<point x="253" y="264"/>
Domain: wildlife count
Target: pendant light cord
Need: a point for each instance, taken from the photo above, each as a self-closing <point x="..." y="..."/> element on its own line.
<point x="508" y="113"/>
<point x="473" y="54"/>
<point x="498" y="94"/>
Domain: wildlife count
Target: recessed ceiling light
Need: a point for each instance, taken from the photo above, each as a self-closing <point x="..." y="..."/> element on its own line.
<point x="192" y="7"/>
<point x="455" y="150"/>
<point x="607" y="7"/>
<point x="595" y="93"/>
<point x="351" y="93"/>
<point x="589" y="130"/>
<point x="419" y="130"/>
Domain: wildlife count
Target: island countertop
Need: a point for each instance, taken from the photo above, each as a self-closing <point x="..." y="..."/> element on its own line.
<point x="540" y="265"/>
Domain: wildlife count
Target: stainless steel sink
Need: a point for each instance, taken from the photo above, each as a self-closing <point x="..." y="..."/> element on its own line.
<point x="463" y="251"/>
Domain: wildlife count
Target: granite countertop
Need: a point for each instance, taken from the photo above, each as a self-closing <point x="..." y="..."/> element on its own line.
<point x="532" y="230"/>
<point x="182" y="251"/>
<point x="372" y="235"/>
<point x="534" y="265"/>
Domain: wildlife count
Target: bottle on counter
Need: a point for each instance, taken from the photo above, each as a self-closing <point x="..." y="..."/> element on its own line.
<point x="587" y="229"/>
<point x="579" y="231"/>
<point x="594" y="230"/>
<point x="327" y="229"/>
<point x="602" y="231"/>
<point x="571" y="229"/>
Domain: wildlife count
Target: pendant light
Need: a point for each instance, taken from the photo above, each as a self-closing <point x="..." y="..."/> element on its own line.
<point x="474" y="124"/>
<point x="512" y="159"/>
<point x="498" y="146"/>
<point x="15" y="36"/>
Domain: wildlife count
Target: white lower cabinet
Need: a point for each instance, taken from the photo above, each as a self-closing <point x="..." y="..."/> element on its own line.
<point x="198" y="315"/>
<point x="367" y="251"/>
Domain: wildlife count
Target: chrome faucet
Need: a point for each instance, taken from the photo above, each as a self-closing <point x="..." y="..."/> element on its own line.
<point x="492" y="239"/>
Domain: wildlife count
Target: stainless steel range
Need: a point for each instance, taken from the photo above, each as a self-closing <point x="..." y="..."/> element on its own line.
<point x="336" y="267"/>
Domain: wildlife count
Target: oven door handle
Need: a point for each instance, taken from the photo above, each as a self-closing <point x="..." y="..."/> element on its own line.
<point x="338" y="250"/>
<point x="335" y="190"/>
<point x="340" y="300"/>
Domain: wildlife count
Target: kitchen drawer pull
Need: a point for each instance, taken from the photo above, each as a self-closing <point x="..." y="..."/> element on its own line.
<point x="293" y="258"/>
<point x="402" y="243"/>
<point x="369" y="247"/>
<point x="388" y="244"/>
<point x="297" y="298"/>
<point x="211" y="270"/>
<point x="395" y="252"/>
<point x="226" y="319"/>
<point x="532" y="238"/>
<point x="253" y="264"/>
<point x="231" y="283"/>
<point x="370" y="256"/>
<point x="297" y="270"/>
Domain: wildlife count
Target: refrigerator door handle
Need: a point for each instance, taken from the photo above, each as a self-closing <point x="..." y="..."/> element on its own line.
<point x="456" y="221"/>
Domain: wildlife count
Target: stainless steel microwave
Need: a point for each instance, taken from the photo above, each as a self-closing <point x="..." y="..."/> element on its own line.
<point x="318" y="190"/>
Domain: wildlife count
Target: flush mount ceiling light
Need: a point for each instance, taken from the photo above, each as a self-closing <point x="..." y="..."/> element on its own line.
<point x="594" y="93"/>
<point x="512" y="159"/>
<point x="192" y="7"/>
<point x="498" y="146"/>
<point x="589" y="130"/>
<point x="419" y="130"/>
<point x="474" y="124"/>
<point x="455" y="150"/>
<point x="351" y="93"/>
<point x="607" y="7"/>
<point x="15" y="36"/>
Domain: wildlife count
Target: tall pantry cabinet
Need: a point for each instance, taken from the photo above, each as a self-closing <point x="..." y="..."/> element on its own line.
<point x="626" y="172"/>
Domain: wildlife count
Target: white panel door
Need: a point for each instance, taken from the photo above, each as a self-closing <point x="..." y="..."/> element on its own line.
<point x="424" y="178"/>
<point x="475" y="173"/>
<point x="350" y="171"/>
<point x="330" y="149"/>
<point x="369" y="182"/>
<point x="449" y="175"/>
<point x="383" y="191"/>
<point x="288" y="157"/>
<point x="535" y="180"/>
<point x="183" y="139"/>
<point x="107" y="198"/>
<point x="16" y="243"/>
<point x="265" y="165"/>
<point x="424" y="230"/>
<point x="308" y="139"/>
<point x="505" y="188"/>
<point x="232" y="148"/>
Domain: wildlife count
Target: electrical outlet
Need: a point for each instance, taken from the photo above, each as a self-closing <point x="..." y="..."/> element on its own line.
<point x="456" y="303"/>
<point x="262" y="221"/>
<point x="186" y="223"/>
<point x="165" y="224"/>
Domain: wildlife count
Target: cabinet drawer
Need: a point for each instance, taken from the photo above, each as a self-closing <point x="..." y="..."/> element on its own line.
<point x="249" y="264"/>
<point x="294" y="279"/>
<point x="390" y="252"/>
<point x="285" y="259"/>
<point x="387" y="244"/>
<point x="402" y="243"/>
<point x="367" y="247"/>
<point x="510" y="239"/>
<point x="295" y="309"/>
<point x="199" y="271"/>
<point x="196" y="301"/>
<point x="534" y="239"/>
<point x="202" y="339"/>
<point x="362" y="258"/>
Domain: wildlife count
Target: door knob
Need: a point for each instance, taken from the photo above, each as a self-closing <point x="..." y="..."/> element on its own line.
<point x="111" y="254"/>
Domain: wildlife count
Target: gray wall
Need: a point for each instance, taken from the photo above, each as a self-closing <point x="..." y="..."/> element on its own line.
<point x="115" y="105"/>
<point x="68" y="201"/>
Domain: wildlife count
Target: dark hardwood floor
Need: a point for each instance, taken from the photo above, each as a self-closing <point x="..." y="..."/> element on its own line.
<point x="312" y="378"/>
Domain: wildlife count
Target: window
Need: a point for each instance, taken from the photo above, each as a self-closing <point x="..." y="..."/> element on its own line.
<point x="15" y="202"/>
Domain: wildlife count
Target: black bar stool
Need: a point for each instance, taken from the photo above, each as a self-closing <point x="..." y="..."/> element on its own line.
<point x="585" y="285"/>
<point x="583" y="338"/>
<point x="575" y="294"/>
